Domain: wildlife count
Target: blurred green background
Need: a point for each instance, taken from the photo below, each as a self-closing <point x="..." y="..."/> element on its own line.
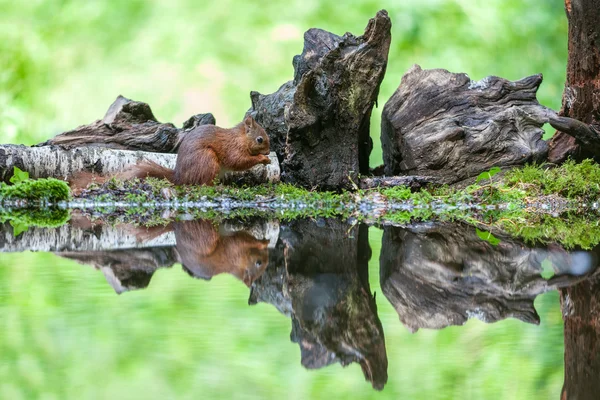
<point x="63" y="62"/>
<point x="65" y="333"/>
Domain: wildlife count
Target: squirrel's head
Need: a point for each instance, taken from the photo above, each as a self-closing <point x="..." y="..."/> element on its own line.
<point x="258" y="140"/>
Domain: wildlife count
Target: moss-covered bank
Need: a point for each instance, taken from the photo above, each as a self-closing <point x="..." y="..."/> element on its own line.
<point x="534" y="202"/>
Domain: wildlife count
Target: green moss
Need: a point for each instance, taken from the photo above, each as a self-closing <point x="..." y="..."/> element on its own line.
<point x="36" y="191"/>
<point x="571" y="180"/>
<point x="570" y="230"/>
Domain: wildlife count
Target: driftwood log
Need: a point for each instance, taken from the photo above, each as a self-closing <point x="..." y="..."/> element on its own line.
<point x="129" y="125"/>
<point x="57" y="162"/>
<point x="445" y="125"/>
<point x="436" y="275"/>
<point x="319" y="122"/>
<point x="319" y="278"/>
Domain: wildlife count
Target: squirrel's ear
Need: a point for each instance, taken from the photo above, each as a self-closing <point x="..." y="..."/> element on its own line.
<point x="248" y="121"/>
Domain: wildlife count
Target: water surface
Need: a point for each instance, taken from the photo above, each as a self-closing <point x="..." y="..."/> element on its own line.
<point x="269" y="309"/>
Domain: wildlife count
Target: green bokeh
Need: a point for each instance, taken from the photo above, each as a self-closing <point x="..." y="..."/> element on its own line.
<point x="65" y="333"/>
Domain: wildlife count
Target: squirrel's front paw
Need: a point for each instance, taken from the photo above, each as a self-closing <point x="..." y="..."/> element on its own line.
<point x="266" y="160"/>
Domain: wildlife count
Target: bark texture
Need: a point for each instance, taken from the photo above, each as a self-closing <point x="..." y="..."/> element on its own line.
<point x="318" y="123"/>
<point x="320" y="280"/>
<point x="129" y="125"/>
<point x="436" y="275"/>
<point x="57" y="162"/>
<point x="581" y="98"/>
<point x="443" y="124"/>
<point x="581" y="313"/>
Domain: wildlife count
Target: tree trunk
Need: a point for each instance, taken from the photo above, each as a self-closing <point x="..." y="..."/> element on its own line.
<point x="581" y="313"/>
<point x="581" y="98"/>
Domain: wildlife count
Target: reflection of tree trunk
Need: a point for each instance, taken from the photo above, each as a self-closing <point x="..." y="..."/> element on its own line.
<point x="581" y="313"/>
<point x="581" y="98"/>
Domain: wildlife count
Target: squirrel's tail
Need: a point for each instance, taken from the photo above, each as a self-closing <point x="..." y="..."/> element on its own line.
<point x="142" y="170"/>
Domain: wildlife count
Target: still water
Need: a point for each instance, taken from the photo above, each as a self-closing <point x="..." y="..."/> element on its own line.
<point x="296" y="310"/>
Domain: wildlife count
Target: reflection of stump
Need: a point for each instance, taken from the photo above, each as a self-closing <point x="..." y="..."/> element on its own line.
<point x="442" y="124"/>
<point x="581" y="313"/>
<point x="325" y="290"/>
<point x="319" y="122"/>
<point x="441" y="275"/>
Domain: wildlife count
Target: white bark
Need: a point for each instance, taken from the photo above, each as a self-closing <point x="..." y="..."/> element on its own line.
<point x="55" y="162"/>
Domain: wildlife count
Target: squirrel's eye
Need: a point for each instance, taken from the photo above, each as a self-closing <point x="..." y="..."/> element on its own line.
<point x="259" y="139"/>
<point x="258" y="263"/>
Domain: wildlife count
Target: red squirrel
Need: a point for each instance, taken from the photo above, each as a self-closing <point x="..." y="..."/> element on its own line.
<point x="205" y="153"/>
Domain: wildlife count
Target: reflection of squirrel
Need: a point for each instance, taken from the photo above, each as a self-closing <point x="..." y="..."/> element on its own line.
<point x="205" y="153"/>
<point x="204" y="251"/>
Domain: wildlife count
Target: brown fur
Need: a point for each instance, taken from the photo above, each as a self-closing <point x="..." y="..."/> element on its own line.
<point x="204" y="154"/>
<point x="204" y="252"/>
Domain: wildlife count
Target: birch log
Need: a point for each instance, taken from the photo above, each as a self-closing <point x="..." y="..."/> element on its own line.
<point x="56" y="162"/>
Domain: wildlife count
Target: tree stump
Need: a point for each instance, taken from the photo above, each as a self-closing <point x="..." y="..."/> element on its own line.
<point x="445" y="125"/>
<point x="318" y="123"/>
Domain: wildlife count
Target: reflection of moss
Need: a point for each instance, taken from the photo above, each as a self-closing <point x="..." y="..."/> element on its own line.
<point x="35" y="191"/>
<point x="570" y="230"/>
<point x="41" y="217"/>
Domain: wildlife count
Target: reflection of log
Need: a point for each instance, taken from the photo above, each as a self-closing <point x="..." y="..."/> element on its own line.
<point x="581" y="313"/>
<point x="442" y="124"/>
<point x="319" y="122"/>
<point x="77" y="237"/>
<point x="126" y="269"/>
<point x="53" y="161"/>
<point x="128" y="255"/>
<point x="324" y="288"/>
<point x="581" y="97"/>
<point x="440" y="275"/>
<point x="129" y="125"/>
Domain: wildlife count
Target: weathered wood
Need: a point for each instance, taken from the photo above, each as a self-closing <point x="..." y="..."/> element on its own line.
<point x="318" y="123"/>
<point x="56" y="162"/>
<point x="129" y="125"/>
<point x="414" y="182"/>
<point x="317" y="271"/>
<point x="436" y="275"/>
<point x="445" y="125"/>
<point x="581" y="97"/>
